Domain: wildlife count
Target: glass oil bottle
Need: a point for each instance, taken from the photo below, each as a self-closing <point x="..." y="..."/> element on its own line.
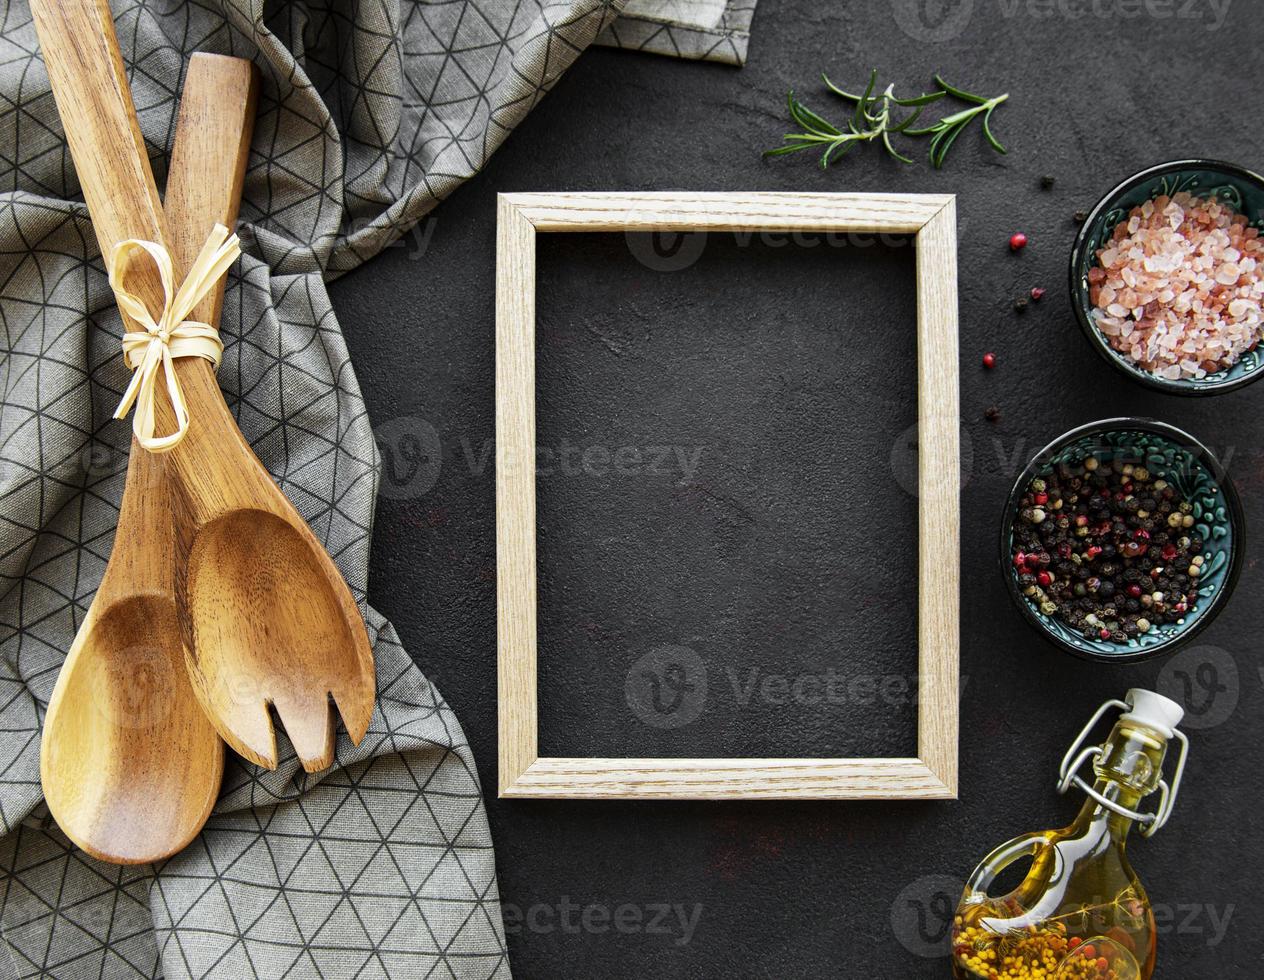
<point x="1080" y="913"/>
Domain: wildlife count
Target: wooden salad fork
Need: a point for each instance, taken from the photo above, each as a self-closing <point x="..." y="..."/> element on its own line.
<point x="269" y="618"/>
<point x="265" y="616"/>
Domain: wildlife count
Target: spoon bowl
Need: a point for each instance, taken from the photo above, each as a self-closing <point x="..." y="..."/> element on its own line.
<point x="121" y="712"/>
<point x="130" y="765"/>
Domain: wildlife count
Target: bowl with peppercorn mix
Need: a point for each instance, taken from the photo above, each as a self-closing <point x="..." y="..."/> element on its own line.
<point x="1167" y="277"/>
<point x="1122" y="539"/>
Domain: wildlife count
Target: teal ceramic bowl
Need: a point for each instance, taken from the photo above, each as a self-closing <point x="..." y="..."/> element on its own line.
<point x="1242" y="189"/>
<point x="1186" y="464"/>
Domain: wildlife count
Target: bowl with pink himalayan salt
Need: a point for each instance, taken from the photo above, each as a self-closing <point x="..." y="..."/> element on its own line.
<point x="1167" y="277"/>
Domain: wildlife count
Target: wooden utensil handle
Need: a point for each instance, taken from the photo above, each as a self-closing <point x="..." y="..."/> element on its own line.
<point x="208" y="161"/>
<point x="204" y="184"/>
<point x="89" y="82"/>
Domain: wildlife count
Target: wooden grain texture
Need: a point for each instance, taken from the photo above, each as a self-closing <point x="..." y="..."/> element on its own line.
<point x="933" y="775"/>
<point x="267" y="617"/>
<point x="89" y="83"/>
<point x="728" y="779"/>
<point x="515" y="491"/>
<point x="939" y="488"/>
<point x="691" y="211"/>
<point x="129" y="763"/>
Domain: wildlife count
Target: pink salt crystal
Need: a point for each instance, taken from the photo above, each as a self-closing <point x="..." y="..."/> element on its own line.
<point x="1228" y="273"/>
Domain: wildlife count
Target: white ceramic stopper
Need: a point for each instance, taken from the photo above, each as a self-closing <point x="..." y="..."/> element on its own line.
<point x="1154" y="710"/>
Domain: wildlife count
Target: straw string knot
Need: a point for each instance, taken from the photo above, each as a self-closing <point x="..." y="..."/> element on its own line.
<point x="172" y="334"/>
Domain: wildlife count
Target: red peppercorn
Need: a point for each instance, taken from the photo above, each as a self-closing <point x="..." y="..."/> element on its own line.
<point x="989" y="360"/>
<point x="1104" y="633"/>
<point x="1141" y="534"/>
<point x="1041" y="498"/>
<point x="1134" y="590"/>
<point x="1169" y="551"/>
<point x="1044" y="578"/>
<point x="1037" y="292"/>
<point x="1020" y="560"/>
<point x="1093" y="551"/>
<point x="1017" y="240"/>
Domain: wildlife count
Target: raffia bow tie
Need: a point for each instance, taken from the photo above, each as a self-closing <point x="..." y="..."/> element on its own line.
<point x="172" y="335"/>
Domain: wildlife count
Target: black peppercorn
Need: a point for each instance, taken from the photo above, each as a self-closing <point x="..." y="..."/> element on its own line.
<point x="1099" y="542"/>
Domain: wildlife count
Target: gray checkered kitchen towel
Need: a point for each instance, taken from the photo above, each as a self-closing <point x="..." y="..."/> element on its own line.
<point x="371" y="112"/>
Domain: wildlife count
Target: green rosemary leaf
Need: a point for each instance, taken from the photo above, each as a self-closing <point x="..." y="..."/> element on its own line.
<point x="780" y="151"/>
<point x="839" y="149"/>
<point x="836" y="90"/>
<point x="859" y="115"/>
<point x="922" y="100"/>
<point x="903" y="126"/>
<point x="942" y="143"/>
<point x="808" y="119"/>
<point x="957" y="93"/>
<point x="886" y="141"/>
<point x="987" y="131"/>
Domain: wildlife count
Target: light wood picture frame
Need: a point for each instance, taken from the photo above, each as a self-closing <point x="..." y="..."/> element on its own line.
<point x="931" y="221"/>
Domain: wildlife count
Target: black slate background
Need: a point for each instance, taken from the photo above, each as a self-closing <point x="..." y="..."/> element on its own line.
<point x="789" y="551"/>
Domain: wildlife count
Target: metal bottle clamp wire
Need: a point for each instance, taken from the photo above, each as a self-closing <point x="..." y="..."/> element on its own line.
<point x="1077" y="756"/>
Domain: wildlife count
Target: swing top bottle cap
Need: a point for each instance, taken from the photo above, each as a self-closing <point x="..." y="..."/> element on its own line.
<point x="1154" y="710"/>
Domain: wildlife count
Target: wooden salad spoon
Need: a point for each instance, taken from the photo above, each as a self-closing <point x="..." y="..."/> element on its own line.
<point x="129" y="762"/>
<point x="265" y="615"/>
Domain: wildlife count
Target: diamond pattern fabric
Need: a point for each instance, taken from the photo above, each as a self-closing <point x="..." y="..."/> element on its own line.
<point x="370" y="113"/>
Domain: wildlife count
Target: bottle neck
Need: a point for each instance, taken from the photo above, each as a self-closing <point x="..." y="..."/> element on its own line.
<point x="1096" y="819"/>
<point x="1128" y="770"/>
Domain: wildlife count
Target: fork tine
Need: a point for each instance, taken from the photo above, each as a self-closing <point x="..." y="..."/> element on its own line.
<point x="310" y="727"/>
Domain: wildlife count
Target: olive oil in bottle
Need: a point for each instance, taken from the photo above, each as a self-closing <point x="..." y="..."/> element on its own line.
<point x="1080" y="913"/>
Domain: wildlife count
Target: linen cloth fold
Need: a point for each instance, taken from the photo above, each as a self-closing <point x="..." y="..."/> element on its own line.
<point x="371" y="111"/>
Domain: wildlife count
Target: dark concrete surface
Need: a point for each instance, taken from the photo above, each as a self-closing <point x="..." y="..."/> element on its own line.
<point x="773" y="541"/>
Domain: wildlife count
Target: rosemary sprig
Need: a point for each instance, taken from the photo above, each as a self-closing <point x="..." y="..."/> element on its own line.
<point x="877" y="117"/>
<point x="945" y="132"/>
